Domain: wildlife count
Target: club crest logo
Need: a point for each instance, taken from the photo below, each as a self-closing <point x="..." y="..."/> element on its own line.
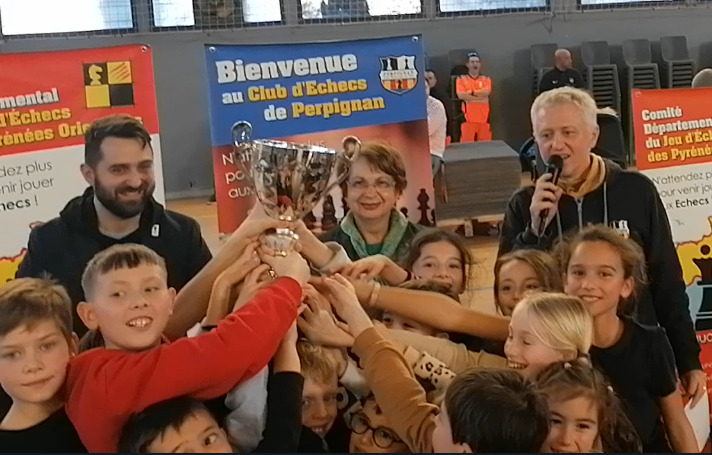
<point x="398" y="74"/>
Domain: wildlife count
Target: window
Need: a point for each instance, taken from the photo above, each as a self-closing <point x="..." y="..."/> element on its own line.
<point x="30" y="17"/>
<point x="355" y="9"/>
<point x="262" y="10"/>
<point x="611" y="2"/>
<point x="458" y="6"/>
<point x="215" y="13"/>
<point x="173" y="13"/>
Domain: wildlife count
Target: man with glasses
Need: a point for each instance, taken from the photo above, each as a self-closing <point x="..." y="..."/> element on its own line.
<point x="474" y="90"/>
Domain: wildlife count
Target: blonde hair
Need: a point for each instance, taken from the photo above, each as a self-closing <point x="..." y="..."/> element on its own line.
<point x="317" y="363"/>
<point x="562" y="322"/>
<point x="567" y="95"/>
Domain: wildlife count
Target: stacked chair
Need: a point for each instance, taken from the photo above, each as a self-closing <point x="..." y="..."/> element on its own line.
<point x="601" y="75"/>
<point x="678" y="68"/>
<point x="641" y="72"/>
<point x="542" y="62"/>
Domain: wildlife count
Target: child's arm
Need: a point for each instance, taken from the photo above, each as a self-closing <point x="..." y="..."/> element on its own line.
<point x="434" y="309"/>
<point x="456" y="356"/>
<point x="204" y="367"/>
<point x="221" y="300"/>
<point x="327" y="257"/>
<point x="377" y="266"/>
<point x="392" y="381"/>
<point x="284" y="400"/>
<point x="192" y="301"/>
<point x="318" y="324"/>
<point x="677" y="426"/>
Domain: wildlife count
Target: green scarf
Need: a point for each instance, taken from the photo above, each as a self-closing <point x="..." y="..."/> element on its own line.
<point x="398" y="225"/>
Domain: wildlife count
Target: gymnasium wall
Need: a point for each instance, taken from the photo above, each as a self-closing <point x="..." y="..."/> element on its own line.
<point x="502" y="40"/>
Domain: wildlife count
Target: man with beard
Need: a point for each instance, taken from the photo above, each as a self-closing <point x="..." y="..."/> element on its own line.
<point x="118" y="207"/>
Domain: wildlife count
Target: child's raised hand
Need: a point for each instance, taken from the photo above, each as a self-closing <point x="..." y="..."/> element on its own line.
<point x="258" y="279"/>
<point x="320" y="326"/>
<point x="292" y="265"/>
<point x="221" y="295"/>
<point x="343" y="298"/>
<point x="368" y="268"/>
<point x="238" y="270"/>
<point x="256" y="223"/>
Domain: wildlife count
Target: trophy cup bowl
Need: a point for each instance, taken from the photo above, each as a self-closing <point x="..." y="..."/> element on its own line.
<point x="288" y="179"/>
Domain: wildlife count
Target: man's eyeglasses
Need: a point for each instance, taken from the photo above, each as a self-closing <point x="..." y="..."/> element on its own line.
<point x="382" y="437"/>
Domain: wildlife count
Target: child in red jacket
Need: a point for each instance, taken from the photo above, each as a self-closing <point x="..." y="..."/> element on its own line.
<point x="129" y="303"/>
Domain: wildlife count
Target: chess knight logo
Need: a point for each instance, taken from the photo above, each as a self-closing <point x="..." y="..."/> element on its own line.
<point x="398" y="74"/>
<point x="108" y="84"/>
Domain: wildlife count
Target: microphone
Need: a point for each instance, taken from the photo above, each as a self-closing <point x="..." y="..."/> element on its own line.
<point x="556" y="163"/>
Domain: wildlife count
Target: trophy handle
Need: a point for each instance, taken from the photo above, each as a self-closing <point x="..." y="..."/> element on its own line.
<point x="241" y="133"/>
<point x="242" y="144"/>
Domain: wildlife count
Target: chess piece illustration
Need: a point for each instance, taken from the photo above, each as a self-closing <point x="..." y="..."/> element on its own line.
<point x="423" y="199"/>
<point x="703" y="321"/>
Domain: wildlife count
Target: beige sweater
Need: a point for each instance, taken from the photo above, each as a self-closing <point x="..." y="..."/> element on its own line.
<point x="396" y="390"/>
<point x="456" y="356"/>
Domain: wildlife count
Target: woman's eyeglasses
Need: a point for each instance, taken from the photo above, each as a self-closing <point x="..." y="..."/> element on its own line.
<point x="382" y="437"/>
<point x="380" y="185"/>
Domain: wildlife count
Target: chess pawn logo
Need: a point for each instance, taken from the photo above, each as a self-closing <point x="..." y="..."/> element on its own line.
<point x="328" y="219"/>
<point x="423" y="199"/>
<point x="310" y="221"/>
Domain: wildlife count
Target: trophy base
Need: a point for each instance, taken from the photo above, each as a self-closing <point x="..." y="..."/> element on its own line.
<point x="281" y="242"/>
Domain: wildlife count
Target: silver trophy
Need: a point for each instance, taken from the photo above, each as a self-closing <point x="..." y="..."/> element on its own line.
<point x="288" y="179"/>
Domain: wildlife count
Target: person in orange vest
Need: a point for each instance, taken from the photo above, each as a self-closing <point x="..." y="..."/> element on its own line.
<point x="474" y="90"/>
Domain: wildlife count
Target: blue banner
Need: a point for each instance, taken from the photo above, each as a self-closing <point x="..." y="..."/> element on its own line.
<point x="289" y="89"/>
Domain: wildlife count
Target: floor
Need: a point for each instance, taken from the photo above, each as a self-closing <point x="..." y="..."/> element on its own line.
<point x="484" y="250"/>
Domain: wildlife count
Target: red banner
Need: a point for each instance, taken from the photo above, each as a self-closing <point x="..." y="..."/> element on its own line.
<point x="47" y="102"/>
<point x="672" y="127"/>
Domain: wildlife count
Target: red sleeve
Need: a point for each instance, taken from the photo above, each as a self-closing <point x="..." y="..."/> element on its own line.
<point x="106" y="387"/>
<point x="488" y="84"/>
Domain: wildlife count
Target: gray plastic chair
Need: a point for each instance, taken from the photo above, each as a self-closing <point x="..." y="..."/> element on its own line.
<point x="641" y="72"/>
<point x="543" y="55"/>
<point x="637" y="52"/>
<point x="595" y="53"/>
<point x="678" y="68"/>
<point x="601" y="75"/>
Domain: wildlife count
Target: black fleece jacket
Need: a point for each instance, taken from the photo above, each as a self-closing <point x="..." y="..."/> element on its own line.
<point x="63" y="246"/>
<point x="624" y="196"/>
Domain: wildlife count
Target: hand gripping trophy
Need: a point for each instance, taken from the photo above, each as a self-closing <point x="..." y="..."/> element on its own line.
<point x="288" y="179"/>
